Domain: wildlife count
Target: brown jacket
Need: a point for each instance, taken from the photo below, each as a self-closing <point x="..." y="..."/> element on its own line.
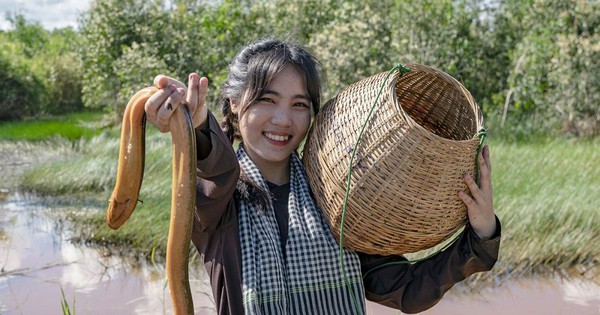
<point x="409" y="287"/>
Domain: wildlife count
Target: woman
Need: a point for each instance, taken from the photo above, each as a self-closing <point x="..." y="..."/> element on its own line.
<point x="266" y="246"/>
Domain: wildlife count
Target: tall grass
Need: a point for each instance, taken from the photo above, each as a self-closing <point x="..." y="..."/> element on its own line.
<point x="64" y="304"/>
<point x="547" y="195"/>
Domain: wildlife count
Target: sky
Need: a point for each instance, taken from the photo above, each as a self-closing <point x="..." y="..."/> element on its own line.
<point x="51" y="14"/>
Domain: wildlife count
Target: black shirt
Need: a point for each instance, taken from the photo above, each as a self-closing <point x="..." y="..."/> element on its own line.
<point x="280" y="195"/>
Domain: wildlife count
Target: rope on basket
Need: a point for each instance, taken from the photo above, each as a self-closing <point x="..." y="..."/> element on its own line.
<point x="480" y="134"/>
<point x="402" y="70"/>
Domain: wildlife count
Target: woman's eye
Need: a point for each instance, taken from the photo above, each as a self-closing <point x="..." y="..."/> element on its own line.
<point x="266" y="100"/>
<point x="300" y="104"/>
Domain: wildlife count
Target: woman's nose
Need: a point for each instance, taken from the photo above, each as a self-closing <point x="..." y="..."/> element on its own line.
<point x="282" y="115"/>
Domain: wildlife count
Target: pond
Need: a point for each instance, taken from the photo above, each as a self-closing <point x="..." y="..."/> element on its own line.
<point x="37" y="261"/>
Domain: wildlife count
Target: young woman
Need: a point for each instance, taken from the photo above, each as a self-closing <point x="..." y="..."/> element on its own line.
<point x="266" y="246"/>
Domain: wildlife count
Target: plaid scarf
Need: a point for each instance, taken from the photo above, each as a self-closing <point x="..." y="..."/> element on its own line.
<point x="308" y="280"/>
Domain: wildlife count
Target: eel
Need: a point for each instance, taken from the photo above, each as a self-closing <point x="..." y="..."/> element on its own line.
<point x="130" y="174"/>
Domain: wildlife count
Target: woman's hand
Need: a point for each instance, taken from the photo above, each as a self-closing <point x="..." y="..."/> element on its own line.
<point x="171" y="94"/>
<point x="480" y="206"/>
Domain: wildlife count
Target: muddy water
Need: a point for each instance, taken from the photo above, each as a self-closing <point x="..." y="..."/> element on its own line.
<point x="519" y="297"/>
<point x="37" y="260"/>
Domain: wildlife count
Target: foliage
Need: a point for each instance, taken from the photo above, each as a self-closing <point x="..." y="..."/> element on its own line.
<point x="127" y="43"/>
<point x="108" y="29"/>
<point x="64" y="304"/>
<point x="355" y="43"/>
<point x="20" y="91"/>
<point x="554" y="79"/>
<point x="42" y="71"/>
<point x="531" y="65"/>
<point x="61" y="70"/>
<point x="30" y="35"/>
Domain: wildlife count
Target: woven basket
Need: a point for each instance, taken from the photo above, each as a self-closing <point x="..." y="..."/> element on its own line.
<point x="409" y="162"/>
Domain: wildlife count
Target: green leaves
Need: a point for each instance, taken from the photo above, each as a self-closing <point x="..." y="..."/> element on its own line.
<point x="531" y="65"/>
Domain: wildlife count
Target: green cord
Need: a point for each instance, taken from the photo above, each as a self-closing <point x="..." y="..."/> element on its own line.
<point x="402" y="70"/>
<point x="481" y="134"/>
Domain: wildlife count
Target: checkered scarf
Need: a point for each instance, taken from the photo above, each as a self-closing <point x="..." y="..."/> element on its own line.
<point x="308" y="280"/>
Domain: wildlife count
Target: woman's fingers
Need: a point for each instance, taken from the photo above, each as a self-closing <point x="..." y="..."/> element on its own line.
<point x="486" y="157"/>
<point x="161" y="105"/>
<point x="485" y="174"/>
<point x="473" y="188"/>
<point x="192" y="94"/>
<point x="201" y="114"/>
<point x="156" y="101"/>
<point x="200" y="88"/>
<point x="166" y="110"/>
<point x="162" y="81"/>
<point x="480" y="204"/>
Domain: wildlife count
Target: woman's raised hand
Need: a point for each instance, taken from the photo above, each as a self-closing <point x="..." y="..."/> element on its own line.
<point x="480" y="206"/>
<point x="171" y="94"/>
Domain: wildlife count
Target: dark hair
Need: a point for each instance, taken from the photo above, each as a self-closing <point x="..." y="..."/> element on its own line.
<point x="251" y="71"/>
<point x="255" y="67"/>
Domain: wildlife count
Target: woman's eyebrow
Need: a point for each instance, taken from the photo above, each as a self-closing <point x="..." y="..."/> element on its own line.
<point x="302" y="96"/>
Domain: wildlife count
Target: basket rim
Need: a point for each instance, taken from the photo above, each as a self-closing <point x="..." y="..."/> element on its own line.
<point x="413" y="124"/>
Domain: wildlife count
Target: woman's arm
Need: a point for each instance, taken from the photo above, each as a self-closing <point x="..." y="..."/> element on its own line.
<point x="217" y="175"/>
<point x="416" y="287"/>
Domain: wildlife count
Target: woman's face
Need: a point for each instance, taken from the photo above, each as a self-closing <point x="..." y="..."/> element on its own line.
<point x="275" y="125"/>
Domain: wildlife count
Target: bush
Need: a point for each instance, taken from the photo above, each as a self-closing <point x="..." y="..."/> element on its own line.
<point x="20" y="91"/>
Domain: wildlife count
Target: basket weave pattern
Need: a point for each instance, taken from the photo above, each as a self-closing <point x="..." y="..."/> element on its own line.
<point x="409" y="163"/>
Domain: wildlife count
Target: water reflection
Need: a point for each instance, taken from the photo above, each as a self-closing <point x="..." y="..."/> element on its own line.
<point x="37" y="260"/>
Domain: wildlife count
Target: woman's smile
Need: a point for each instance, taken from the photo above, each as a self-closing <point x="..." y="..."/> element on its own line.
<point x="277" y="138"/>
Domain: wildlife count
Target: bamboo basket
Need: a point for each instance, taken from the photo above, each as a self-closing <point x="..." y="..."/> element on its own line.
<point x="409" y="162"/>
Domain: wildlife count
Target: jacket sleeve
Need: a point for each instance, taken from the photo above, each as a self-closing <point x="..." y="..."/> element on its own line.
<point x="413" y="288"/>
<point x="216" y="178"/>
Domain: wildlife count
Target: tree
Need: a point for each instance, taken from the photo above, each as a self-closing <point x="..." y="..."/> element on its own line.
<point x="30" y="35"/>
<point x="108" y="30"/>
<point x="554" y="77"/>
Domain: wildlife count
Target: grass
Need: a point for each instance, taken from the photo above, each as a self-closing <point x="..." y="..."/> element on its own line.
<point x="547" y="195"/>
<point x="64" y="304"/>
<point x="72" y="126"/>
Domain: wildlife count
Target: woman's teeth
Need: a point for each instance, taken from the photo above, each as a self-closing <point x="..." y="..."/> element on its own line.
<point x="276" y="137"/>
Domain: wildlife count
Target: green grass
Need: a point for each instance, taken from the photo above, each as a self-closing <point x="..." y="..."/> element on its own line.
<point x="64" y="304"/>
<point x="71" y="126"/>
<point x="546" y="193"/>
